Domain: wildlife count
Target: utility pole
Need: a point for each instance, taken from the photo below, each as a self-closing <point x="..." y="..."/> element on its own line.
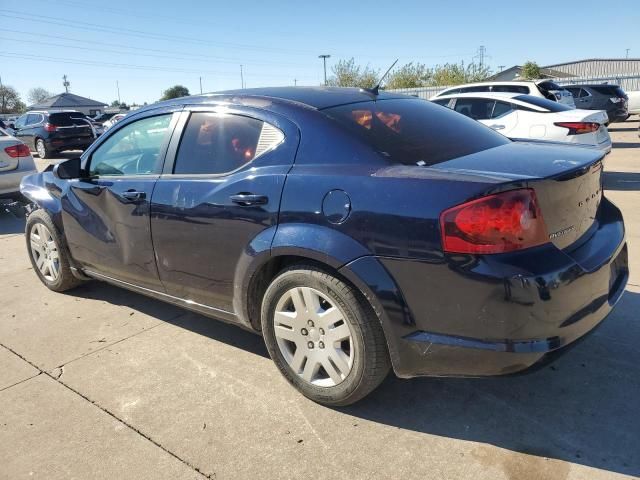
<point x="241" y="78"/>
<point x="66" y="83"/>
<point x="501" y="67"/>
<point x="482" y="51"/>
<point x="200" y="85"/>
<point x="295" y="82"/>
<point x="118" y="87"/>
<point x="1" y="100"/>
<point x="627" y="53"/>
<point x="324" y="62"/>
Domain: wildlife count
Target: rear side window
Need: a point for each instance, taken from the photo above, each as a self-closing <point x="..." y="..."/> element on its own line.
<point x="216" y="144"/>
<point x="33" y="118"/>
<point x="414" y="131"/>
<point x="501" y="108"/>
<point x="68" y="119"/>
<point x="476" y="108"/>
<point x="511" y="88"/>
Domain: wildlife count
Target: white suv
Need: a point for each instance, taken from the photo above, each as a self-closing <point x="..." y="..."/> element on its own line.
<point x="539" y="88"/>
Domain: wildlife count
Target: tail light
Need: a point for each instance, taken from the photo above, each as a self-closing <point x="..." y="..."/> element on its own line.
<point x="576" y="128"/>
<point x="50" y="128"/>
<point x="494" y="224"/>
<point x="20" y="150"/>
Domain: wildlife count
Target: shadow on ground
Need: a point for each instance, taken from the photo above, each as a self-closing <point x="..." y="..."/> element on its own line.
<point x="624" y="181"/>
<point x="626" y="144"/>
<point x="10" y="224"/>
<point x="583" y="408"/>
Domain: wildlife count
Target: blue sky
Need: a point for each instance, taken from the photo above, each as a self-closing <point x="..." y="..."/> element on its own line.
<point x="149" y="45"/>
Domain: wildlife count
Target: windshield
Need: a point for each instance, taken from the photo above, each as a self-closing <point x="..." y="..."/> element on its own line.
<point x="67" y="119"/>
<point x="549" y="105"/>
<point x="414" y="131"/>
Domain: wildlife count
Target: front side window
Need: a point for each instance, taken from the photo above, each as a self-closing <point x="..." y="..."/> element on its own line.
<point x="135" y="149"/>
<point x="215" y="143"/>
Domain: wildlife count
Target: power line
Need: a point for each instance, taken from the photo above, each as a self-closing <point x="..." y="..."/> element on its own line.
<point x="106" y="50"/>
<point x="137" y="33"/>
<point x="122" y="65"/>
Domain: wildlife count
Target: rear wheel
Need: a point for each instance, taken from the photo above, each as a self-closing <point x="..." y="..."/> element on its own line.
<point x="323" y="336"/>
<point x="41" y="148"/>
<point x="47" y="253"/>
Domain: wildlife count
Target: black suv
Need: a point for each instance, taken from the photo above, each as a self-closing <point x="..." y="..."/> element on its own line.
<point x="51" y="132"/>
<point x="602" y="97"/>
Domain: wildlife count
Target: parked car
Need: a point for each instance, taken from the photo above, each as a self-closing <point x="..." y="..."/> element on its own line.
<point x="15" y="163"/>
<point x="602" y="97"/>
<point x="541" y="88"/>
<point x="634" y="102"/>
<point x="103" y="117"/>
<point x="525" y="117"/>
<point x="51" y="132"/>
<point x="355" y="230"/>
<point x="113" y="120"/>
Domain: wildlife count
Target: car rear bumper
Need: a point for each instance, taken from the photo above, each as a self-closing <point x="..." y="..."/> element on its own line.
<point x="60" y="144"/>
<point x="501" y="314"/>
<point x="10" y="180"/>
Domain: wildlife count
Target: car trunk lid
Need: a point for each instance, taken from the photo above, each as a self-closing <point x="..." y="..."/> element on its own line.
<point x="567" y="182"/>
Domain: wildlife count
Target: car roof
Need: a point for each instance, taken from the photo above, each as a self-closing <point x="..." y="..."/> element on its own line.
<point x="493" y="95"/>
<point x="311" y="97"/>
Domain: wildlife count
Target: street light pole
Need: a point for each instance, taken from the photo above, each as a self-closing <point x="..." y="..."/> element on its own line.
<point x="324" y="62"/>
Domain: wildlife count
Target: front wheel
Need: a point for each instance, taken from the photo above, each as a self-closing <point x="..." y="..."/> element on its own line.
<point x="323" y="336"/>
<point x="47" y="253"/>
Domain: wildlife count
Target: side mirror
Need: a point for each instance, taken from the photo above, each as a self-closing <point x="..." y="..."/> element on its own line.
<point x="68" y="169"/>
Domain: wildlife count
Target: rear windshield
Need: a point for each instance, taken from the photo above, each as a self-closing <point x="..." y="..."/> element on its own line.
<point x="546" y="86"/>
<point x="415" y="131"/>
<point x="612" y="90"/>
<point x="549" y="105"/>
<point x="66" y="119"/>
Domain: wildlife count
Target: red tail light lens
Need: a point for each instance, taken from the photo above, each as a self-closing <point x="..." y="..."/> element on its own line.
<point x="15" y="151"/>
<point x="494" y="224"/>
<point x="576" y="128"/>
<point x="50" y="128"/>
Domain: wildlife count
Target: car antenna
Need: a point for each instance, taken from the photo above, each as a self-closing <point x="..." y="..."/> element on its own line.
<point x="376" y="90"/>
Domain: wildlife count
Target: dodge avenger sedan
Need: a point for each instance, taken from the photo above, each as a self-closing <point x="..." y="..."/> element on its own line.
<point x="357" y="231"/>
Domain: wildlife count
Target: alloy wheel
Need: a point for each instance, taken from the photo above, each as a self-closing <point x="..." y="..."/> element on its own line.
<point x="314" y="336"/>
<point x="44" y="251"/>
<point x="40" y="148"/>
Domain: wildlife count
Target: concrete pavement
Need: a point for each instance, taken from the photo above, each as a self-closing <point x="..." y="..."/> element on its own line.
<point x="105" y="383"/>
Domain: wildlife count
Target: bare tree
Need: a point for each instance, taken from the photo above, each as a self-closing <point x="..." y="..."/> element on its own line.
<point x="38" y="94"/>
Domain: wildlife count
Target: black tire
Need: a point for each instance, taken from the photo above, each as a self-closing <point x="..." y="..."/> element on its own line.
<point x="65" y="279"/>
<point x="43" y="152"/>
<point x="371" y="362"/>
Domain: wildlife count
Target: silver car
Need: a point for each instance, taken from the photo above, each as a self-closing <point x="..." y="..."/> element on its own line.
<point x="16" y="162"/>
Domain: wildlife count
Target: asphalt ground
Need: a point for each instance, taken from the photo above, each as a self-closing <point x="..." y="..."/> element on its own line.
<point x="104" y="383"/>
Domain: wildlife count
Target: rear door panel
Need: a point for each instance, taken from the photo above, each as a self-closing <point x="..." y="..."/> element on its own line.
<point x="200" y="234"/>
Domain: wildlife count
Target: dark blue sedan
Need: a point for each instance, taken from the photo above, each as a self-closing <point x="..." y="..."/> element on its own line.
<point x="357" y="231"/>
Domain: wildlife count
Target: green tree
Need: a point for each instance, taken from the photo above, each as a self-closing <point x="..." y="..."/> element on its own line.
<point x="176" y="91"/>
<point x="530" y="71"/>
<point x="410" y="75"/>
<point x="38" y="94"/>
<point x="455" y="74"/>
<point x="10" y="101"/>
<point x="347" y="74"/>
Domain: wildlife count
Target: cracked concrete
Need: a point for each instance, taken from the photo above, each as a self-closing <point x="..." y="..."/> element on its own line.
<point x="104" y="383"/>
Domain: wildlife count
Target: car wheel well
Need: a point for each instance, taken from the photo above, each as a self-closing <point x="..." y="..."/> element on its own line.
<point x="270" y="270"/>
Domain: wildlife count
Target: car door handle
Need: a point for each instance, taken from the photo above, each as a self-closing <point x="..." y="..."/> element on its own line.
<point x="134" y="195"/>
<point x="498" y="127"/>
<point x="249" y="199"/>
